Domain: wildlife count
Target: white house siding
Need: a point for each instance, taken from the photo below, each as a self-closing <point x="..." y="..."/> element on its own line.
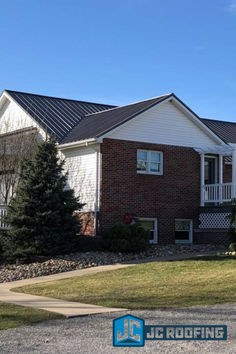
<point x="13" y="117"/>
<point x="164" y="124"/>
<point x="81" y="166"/>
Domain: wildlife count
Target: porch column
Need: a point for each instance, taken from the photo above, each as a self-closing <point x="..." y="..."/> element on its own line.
<point x="202" y="177"/>
<point x="220" y="177"/>
<point x="233" y="172"/>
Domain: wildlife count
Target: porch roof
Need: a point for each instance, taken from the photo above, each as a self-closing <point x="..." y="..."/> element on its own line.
<point x="224" y="150"/>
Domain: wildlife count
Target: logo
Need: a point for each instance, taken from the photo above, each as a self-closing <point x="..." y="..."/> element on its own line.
<point x="128" y="331"/>
<point x="131" y="331"/>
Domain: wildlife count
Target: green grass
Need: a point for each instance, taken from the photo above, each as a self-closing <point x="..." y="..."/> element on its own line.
<point x="209" y="280"/>
<point x="12" y="316"/>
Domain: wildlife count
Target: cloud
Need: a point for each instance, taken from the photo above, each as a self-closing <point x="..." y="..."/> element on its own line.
<point x="232" y="7"/>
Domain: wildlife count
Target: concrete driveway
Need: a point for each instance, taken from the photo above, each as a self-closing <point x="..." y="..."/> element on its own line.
<point x="93" y="334"/>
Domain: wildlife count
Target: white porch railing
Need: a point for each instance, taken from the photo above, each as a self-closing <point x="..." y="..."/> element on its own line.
<point x="217" y="193"/>
<point x="3" y="212"/>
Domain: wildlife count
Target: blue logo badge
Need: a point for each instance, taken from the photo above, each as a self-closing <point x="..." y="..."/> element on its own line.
<point x="128" y="331"/>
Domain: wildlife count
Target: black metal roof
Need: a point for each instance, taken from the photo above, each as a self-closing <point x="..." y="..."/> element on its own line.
<point x="72" y="120"/>
<point x="224" y="130"/>
<point x="97" y="124"/>
<point x="57" y="115"/>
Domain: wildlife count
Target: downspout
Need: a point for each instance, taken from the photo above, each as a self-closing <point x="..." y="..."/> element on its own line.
<point x="96" y="191"/>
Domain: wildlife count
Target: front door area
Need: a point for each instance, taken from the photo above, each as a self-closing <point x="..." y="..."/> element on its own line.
<point x="211" y="170"/>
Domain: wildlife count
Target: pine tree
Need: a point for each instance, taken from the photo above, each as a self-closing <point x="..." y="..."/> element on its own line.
<point x="41" y="214"/>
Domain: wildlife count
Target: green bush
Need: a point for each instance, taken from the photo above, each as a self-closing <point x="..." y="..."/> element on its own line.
<point x="88" y="243"/>
<point x="126" y="238"/>
<point x="232" y="247"/>
<point x="3" y="244"/>
<point x="1" y="252"/>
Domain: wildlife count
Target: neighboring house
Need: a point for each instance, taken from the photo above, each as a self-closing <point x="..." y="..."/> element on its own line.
<point x="154" y="159"/>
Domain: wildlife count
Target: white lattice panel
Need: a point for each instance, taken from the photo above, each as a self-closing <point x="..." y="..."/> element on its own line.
<point x="214" y="221"/>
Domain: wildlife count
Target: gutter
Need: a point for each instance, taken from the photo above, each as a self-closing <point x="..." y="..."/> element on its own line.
<point x="79" y="143"/>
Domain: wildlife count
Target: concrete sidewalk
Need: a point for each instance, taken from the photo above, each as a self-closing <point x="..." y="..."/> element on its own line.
<point x="71" y="308"/>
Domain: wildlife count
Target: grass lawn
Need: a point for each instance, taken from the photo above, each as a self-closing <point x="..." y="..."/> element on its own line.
<point x="208" y="280"/>
<point x="12" y="316"/>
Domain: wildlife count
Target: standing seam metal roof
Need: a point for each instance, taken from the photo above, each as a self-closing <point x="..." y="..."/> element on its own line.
<point x="57" y="115"/>
<point x="224" y="130"/>
<point x="72" y="120"/>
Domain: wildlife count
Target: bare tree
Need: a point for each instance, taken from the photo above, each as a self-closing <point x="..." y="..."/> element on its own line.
<point x="14" y="147"/>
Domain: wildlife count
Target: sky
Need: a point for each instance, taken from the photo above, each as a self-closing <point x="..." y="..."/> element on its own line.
<point x="122" y="51"/>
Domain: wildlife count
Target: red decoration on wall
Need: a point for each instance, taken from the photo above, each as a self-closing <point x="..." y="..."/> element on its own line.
<point x="128" y="218"/>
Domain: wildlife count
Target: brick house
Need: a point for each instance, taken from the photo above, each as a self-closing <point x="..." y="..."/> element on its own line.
<point x="154" y="159"/>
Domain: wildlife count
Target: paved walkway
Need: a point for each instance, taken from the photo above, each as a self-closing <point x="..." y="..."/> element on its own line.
<point x="71" y="308"/>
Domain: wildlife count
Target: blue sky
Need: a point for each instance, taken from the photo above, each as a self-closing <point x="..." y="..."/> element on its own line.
<point x="121" y="51"/>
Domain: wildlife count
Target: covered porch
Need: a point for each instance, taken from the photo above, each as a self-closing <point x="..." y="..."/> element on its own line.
<point x="217" y="174"/>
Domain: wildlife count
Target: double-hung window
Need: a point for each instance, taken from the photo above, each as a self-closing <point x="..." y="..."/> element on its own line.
<point x="183" y="231"/>
<point x="150" y="162"/>
<point x="150" y="225"/>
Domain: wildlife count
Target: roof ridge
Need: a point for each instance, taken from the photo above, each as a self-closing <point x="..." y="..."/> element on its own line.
<point x="58" y="98"/>
<point x="129" y="104"/>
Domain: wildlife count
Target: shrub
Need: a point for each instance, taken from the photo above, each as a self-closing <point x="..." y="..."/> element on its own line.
<point x="1" y="251"/>
<point x="3" y="244"/>
<point x="88" y="243"/>
<point x="232" y="217"/>
<point x="126" y="238"/>
<point x="232" y="247"/>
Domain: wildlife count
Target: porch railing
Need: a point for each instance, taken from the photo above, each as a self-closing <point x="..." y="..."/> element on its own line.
<point x="217" y="193"/>
<point x="3" y="212"/>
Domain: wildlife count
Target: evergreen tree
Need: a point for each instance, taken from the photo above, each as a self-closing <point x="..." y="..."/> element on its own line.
<point x="41" y="214"/>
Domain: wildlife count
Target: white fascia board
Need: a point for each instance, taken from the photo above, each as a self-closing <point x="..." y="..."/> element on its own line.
<point x="3" y="99"/>
<point x="76" y="144"/>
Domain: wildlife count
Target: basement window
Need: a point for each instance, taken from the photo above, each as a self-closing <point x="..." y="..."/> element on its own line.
<point x="150" y="225"/>
<point x="183" y="231"/>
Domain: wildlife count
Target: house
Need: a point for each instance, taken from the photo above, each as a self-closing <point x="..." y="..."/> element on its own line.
<point x="154" y="159"/>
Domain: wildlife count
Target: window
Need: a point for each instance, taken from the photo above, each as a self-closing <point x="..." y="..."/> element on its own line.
<point x="150" y="162"/>
<point x="183" y="230"/>
<point x="151" y="226"/>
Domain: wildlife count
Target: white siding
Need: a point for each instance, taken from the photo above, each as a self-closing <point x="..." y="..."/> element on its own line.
<point x="13" y="117"/>
<point x="164" y="124"/>
<point x="81" y="166"/>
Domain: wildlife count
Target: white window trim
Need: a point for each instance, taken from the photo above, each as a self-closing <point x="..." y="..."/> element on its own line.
<point x="155" y="239"/>
<point x="148" y="172"/>
<point x="190" y="240"/>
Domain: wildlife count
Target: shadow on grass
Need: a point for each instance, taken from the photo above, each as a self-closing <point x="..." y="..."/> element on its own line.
<point x="207" y="258"/>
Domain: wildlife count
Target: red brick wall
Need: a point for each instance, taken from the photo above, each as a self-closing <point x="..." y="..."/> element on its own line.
<point x="176" y="194"/>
